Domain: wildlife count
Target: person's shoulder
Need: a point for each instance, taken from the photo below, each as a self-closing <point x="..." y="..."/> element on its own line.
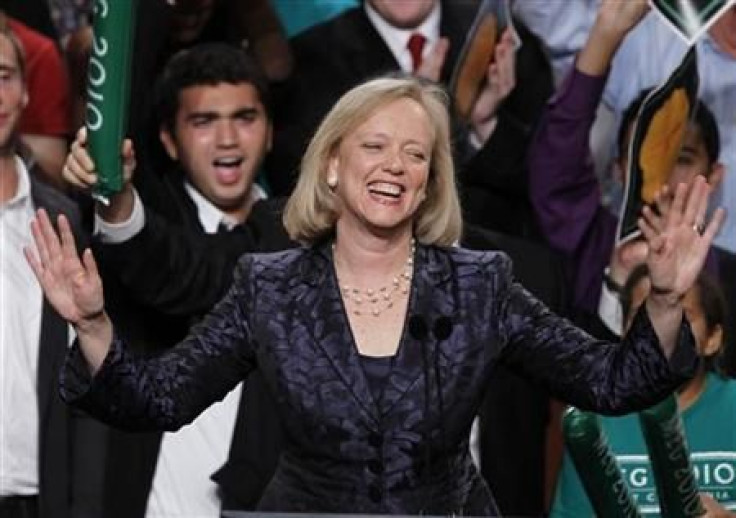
<point x="277" y="261"/>
<point x="50" y="198"/>
<point x="482" y="261"/>
<point x="321" y="34"/>
<point x="284" y="269"/>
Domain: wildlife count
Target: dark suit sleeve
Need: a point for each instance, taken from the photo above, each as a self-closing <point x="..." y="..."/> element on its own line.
<point x="604" y="377"/>
<point x="170" y="390"/>
<point x="176" y="270"/>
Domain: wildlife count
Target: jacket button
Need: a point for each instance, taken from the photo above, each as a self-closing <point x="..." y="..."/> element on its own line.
<point x="375" y="467"/>
<point x="375" y="440"/>
<point x="375" y="493"/>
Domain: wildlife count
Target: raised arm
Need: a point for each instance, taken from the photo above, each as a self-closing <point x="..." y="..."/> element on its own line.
<point x="72" y="286"/>
<point x="563" y="187"/>
<point x="677" y="251"/>
<point x="189" y="279"/>
<point x="161" y="393"/>
<point x="79" y="171"/>
<point x="658" y="352"/>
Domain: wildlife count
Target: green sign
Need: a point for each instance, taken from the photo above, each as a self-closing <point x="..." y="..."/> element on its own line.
<point x="108" y="90"/>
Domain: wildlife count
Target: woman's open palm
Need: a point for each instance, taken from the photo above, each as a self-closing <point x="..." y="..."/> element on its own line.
<point x="679" y="244"/>
<point x="73" y="287"/>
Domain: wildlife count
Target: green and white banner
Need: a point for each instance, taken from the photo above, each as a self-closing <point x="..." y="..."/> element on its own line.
<point x="108" y="91"/>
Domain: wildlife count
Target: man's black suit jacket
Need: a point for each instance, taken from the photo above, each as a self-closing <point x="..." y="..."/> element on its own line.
<point x="333" y="57"/>
<point x="68" y="441"/>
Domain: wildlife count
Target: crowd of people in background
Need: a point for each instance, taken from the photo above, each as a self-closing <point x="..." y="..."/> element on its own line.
<point x="226" y="96"/>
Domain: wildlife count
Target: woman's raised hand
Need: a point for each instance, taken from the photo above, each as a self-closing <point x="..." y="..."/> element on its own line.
<point x="679" y="243"/>
<point x="72" y="286"/>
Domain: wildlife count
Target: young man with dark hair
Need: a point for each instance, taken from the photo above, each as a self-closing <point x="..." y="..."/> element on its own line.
<point x="213" y="124"/>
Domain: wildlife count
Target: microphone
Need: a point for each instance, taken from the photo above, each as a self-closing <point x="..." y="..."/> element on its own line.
<point x="440" y="331"/>
<point x="442" y="328"/>
<point x="418" y="328"/>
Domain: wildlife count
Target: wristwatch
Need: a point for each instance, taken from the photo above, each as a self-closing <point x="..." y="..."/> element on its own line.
<point x="611" y="284"/>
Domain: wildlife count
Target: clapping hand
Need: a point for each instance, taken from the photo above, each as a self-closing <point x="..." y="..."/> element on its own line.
<point x="431" y="67"/>
<point x="500" y="81"/>
<point x="679" y="241"/>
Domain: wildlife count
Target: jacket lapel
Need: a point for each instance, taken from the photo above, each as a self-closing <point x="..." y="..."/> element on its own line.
<point x="367" y="53"/>
<point x="319" y="301"/>
<point x="52" y="342"/>
<point x="431" y="298"/>
<point x="54" y="331"/>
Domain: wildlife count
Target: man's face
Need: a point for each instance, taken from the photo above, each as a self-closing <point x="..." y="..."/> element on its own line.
<point x="405" y="14"/>
<point x="221" y="135"/>
<point x="13" y="96"/>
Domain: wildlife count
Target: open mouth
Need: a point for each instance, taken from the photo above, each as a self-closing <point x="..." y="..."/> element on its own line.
<point x="228" y="168"/>
<point x="385" y="189"/>
<point x="228" y="162"/>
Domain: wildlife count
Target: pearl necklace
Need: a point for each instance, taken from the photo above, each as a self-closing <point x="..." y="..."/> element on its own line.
<point x="374" y="301"/>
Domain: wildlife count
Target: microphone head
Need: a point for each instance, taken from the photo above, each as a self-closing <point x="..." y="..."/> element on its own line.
<point x="442" y="328"/>
<point x="418" y="327"/>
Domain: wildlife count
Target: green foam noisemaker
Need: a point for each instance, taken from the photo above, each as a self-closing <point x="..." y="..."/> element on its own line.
<point x="677" y="488"/>
<point x="597" y="467"/>
<point x="108" y="91"/>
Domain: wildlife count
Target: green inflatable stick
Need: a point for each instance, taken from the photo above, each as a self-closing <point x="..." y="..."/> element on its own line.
<point x="596" y="465"/>
<point x="677" y="488"/>
<point x="108" y="90"/>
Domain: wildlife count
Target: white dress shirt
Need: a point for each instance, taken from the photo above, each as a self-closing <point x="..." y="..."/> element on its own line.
<point x="20" y="328"/>
<point x="396" y="39"/>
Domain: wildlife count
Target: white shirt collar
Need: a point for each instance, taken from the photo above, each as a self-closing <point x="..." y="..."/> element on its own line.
<point x="209" y="215"/>
<point x="23" y="191"/>
<point x="396" y="39"/>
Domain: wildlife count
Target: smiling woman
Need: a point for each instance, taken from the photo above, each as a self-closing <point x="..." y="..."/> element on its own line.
<point x="392" y="126"/>
<point x="377" y="405"/>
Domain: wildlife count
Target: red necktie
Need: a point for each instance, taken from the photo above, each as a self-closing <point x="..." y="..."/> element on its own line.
<point x="416" y="45"/>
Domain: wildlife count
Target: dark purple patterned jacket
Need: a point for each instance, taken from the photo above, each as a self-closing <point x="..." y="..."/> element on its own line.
<point x="345" y="452"/>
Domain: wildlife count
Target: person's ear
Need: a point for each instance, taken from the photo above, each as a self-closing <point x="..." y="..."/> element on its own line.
<point x="715" y="177"/>
<point x="269" y="136"/>
<point x="167" y="140"/>
<point x="25" y="99"/>
<point x="714" y="342"/>
<point x="332" y="178"/>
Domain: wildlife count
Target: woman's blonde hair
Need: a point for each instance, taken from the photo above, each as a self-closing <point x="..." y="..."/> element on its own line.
<point x="310" y="213"/>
